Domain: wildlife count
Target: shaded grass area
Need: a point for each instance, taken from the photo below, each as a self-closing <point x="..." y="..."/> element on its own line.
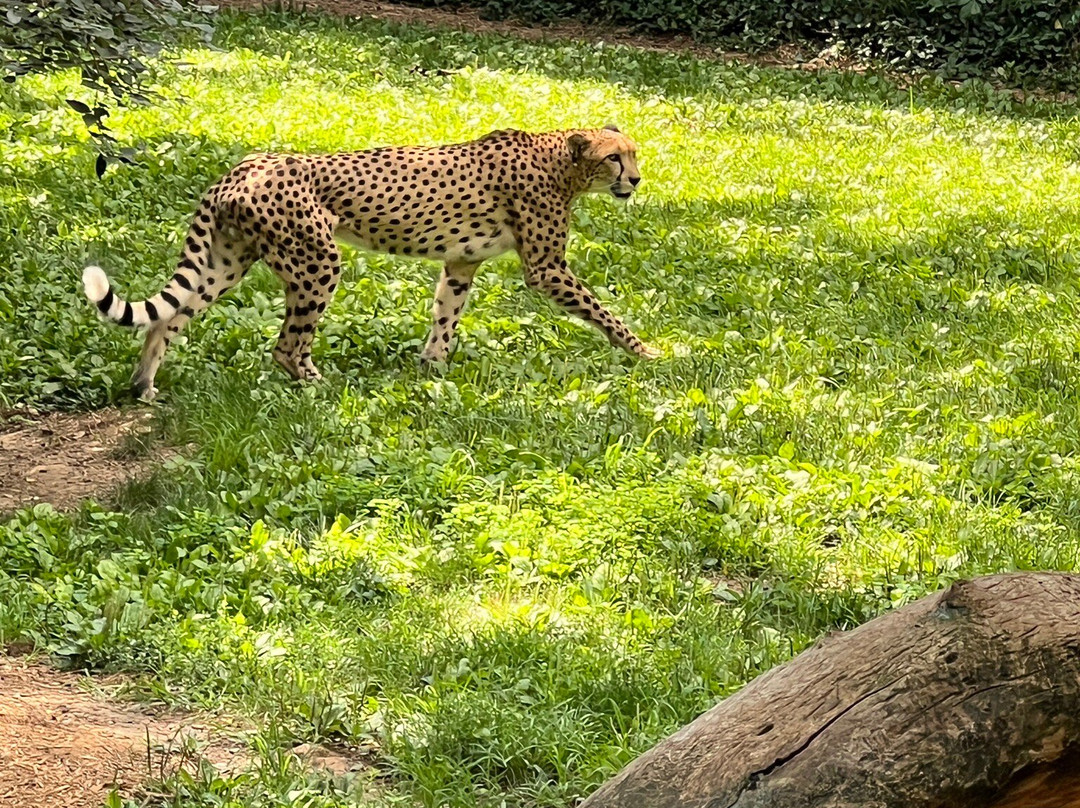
<point x="515" y="576"/>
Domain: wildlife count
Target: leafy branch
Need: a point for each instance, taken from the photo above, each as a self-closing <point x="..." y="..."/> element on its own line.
<point x="105" y="40"/>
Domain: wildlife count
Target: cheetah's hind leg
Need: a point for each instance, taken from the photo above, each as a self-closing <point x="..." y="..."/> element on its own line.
<point x="228" y="261"/>
<point x="309" y="289"/>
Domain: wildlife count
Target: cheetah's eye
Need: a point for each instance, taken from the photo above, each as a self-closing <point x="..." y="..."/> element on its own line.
<point x="613" y="157"/>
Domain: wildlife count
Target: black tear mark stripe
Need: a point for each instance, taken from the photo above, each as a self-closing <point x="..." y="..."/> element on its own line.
<point x="106" y="302"/>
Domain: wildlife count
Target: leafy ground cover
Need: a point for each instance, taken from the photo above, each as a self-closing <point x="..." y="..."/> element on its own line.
<point x="511" y="578"/>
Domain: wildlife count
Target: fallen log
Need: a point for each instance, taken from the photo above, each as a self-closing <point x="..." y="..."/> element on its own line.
<point x="968" y="698"/>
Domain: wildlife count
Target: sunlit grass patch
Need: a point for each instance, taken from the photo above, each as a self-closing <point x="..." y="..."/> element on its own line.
<point x="511" y="577"/>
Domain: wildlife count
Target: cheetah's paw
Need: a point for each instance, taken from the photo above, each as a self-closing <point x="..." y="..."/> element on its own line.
<point x="648" y="352"/>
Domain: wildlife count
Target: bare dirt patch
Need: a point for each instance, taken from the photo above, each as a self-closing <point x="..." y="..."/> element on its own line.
<point x="66" y="743"/>
<point x="64" y="458"/>
<point x="63" y="744"/>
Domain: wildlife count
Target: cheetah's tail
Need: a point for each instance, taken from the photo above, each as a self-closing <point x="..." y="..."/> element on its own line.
<point x="177" y="293"/>
<point x="161" y="306"/>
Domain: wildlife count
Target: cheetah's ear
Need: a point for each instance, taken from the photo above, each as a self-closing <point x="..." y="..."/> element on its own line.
<point x="612" y="128"/>
<point x="578" y="144"/>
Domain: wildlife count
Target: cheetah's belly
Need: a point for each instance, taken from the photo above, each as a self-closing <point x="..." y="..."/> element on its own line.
<point x="442" y="244"/>
<point x="481" y="246"/>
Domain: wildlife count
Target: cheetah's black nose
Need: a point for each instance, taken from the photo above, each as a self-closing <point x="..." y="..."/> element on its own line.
<point x="634" y="181"/>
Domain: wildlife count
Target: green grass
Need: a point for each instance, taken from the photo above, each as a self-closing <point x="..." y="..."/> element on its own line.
<point x="516" y="576"/>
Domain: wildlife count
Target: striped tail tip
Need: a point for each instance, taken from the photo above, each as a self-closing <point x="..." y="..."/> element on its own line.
<point x="97" y="288"/>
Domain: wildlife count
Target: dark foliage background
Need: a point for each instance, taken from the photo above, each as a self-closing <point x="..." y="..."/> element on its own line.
<point x="961" y="36"/>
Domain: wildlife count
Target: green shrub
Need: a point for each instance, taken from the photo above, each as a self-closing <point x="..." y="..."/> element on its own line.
<point x="960" y="36"/>
<point x="105" y="40"/>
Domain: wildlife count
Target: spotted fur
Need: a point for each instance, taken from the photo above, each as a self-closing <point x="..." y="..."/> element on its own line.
<point x="459" y="204"/>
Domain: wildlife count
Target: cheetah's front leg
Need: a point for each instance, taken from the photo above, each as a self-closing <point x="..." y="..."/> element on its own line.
<point x="560" y="284"/>
<point x="451" y="293"/>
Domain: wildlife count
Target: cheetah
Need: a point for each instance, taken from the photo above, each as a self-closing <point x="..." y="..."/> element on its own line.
<point x="460" y="204"/>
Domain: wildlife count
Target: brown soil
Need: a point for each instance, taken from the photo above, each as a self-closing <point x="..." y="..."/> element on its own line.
<point x="64" y="458"/>
<point x="63" y="745"/>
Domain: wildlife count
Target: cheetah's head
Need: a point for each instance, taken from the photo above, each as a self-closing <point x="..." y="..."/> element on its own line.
<point x="608" y="159"/>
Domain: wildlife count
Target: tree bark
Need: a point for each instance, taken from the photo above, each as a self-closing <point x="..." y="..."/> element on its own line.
<point x="967" y="698"/>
